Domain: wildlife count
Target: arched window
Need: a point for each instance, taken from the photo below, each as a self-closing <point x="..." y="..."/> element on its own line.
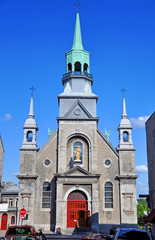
<point x="12" y="220"/>
<point x="125" y="136"/>
<point x="77" y="67"/>
<point x="29" y="136"/>
<point x="46" y="195"/>
<point x="108" y="195"/>
<point x="77" y="151"/>
<point x="10" y="202"/>
<point x="85" y="67"/>
<point x="69" y="67"/>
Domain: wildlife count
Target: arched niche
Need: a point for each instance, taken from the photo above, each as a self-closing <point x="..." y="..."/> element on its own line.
<point x="72" y="144"/>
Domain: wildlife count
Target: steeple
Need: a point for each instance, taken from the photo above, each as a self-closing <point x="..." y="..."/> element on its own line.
<point x="125" y="133"/>
<point x="30" y="130"/>
<point x="77" y="59"/>
<point x="31" y="115"/>
<point x="124" y="115"/>
<point x="77" y="81"/>
<point x="77" y="42"/>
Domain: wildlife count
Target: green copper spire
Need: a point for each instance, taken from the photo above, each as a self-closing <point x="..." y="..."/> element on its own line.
<point x="77" y="42"/>
<point x="77" y="59"/>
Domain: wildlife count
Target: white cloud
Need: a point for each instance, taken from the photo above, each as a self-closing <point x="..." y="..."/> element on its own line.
<point x="6" y="117"/>
<point x="139" y="122"/>
<point x="141" y="184"/>
<point x="141" y="169"/>
<point x="15" y="174"/>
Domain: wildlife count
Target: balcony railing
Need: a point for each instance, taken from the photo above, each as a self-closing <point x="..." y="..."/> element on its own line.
<point x="78" y="73"/>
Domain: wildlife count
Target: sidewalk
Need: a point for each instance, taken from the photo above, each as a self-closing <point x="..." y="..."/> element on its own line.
<point x="2" y="233"/>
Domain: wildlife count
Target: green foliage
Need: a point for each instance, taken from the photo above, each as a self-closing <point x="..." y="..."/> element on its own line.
<point x="141" y="207"/>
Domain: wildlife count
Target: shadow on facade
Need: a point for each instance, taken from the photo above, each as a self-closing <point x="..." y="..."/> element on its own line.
<point x="53" y="205"/>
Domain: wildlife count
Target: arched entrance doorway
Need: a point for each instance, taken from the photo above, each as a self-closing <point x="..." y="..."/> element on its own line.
<point x="4" y="221"/>
<point x="77" y="209"/>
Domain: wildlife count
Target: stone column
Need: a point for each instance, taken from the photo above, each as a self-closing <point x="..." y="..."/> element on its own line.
<point x="59" y="205"/>
<point x="95" y="207"/>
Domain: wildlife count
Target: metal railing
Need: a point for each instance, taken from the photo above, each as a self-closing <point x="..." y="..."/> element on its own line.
<point x="78" y="73"/>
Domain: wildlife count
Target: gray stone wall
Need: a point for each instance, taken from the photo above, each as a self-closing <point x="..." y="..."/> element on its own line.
<point x="127" y="186"/>
<point x="108" y="216"/>
<point x="45" y="217"/>
<point x="70" y="129"/>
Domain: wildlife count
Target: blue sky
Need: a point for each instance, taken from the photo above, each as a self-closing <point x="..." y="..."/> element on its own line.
<point x="34" y="36"/>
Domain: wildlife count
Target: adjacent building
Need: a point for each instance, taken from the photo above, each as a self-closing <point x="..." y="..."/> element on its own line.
<point x="150" y="137"/>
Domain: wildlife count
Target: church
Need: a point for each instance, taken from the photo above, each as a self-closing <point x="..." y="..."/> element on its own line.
<point x="78" y="177"/>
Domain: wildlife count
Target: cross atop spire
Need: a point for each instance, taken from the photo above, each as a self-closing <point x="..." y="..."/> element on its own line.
<point x="32" y="89"/>
<point x="77" y="5"/>
<point x="123" y="90"/>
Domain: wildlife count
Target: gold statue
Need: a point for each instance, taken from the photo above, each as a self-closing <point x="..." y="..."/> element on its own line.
<point x="77" y="152"/>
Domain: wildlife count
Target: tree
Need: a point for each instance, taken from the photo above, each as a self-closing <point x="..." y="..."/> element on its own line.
<point x="141" y="207"/>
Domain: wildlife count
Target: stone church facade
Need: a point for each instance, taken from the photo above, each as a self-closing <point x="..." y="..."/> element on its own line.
<point x="78" y="177"/>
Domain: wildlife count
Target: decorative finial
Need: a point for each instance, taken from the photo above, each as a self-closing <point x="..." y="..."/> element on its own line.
<point x="107" y="133"/>
<point x="123" y="90"/>
<point x="32" y="89"/>
<point x="77" y="5"/>
<point x="50" y="132"/>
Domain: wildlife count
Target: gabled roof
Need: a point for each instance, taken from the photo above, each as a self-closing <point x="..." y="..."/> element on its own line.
<point x="108" y="143"/>
<point x="77" y="172"/>
<point x="77" y="110"/>
<point x="50" y="139"/>
<point x="11" y="190"/>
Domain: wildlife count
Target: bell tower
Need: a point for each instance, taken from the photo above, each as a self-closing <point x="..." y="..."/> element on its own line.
<point x="77" y="80"/>
<point x="77" y="104"/>
<point x="77" y="59"/>
<point x="127" y="177"/>
<point x="30" y="130"/>
<point x="27" y="176"/>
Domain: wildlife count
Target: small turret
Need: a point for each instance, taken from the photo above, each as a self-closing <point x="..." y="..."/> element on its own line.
<point x="30" y="130"/>
<point x="125" y="130"/>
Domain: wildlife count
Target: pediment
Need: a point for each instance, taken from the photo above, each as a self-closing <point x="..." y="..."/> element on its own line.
<point x="77" y="171"/>
<point x="77" y="110"/>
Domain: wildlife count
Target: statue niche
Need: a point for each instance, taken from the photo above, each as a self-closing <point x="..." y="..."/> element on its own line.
<point x="77" y="152"/>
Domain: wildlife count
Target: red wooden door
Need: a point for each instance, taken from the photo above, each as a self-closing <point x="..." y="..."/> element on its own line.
<point x="76" y="201"/>
<point x="4" y="221"/>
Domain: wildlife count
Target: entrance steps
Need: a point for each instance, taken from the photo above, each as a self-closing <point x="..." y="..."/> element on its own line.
<point x="80" y="230"/>
<point x="70" y="234"/>
<point x="64" y="236"/>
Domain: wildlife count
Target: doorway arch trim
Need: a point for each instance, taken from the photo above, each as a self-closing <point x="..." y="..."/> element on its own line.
<point x="77" y="189"/>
